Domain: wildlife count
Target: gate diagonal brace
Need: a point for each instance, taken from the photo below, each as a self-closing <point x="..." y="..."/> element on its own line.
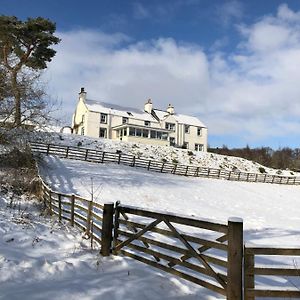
<point x="201" y="249"/>
<point x="134" y="229"/>
<point x="138" y="234"/>
<point x="195" y="254"/>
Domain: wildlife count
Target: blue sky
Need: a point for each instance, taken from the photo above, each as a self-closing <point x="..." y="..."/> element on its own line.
<point x="234" y="64"/>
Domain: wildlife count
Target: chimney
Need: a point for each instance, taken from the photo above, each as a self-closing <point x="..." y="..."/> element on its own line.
<point x="170" y="109"/>
<point x="148" y="106"/>
<point x="82" y="94"/>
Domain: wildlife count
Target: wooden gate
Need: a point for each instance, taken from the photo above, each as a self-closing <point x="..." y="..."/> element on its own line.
<point x="201" y="251"/>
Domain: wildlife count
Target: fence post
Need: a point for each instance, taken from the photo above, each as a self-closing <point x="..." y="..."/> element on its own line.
<point x="59" y="207"/>
<point x="116" y="226"/>
<point x="86" y="154"/>
<point x="48" y="149"/>
<point x="107" y="227"/>
<point x="72" y="209"/>
<point x="50" y="203"/>
<point x="149" y="164"/>
<point x="174" y="169"/>
<point x="235" y="259"/>
<point x="103" y="155"/>
<point x="186" y="170"/>
<point x="119" y="159"/>
<point x="67" y="152"/>
<point x="133" y="161"/>
<point x="162" y="167"/>
<point x="248" y="274"/>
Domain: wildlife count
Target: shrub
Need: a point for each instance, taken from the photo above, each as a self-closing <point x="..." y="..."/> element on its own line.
<point x="262" y="170"/>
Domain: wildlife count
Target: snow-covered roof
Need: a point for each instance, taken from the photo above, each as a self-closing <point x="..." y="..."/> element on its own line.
<point x="123" y="111"/>
<point x="181" y="119"/>
<point x="118" y="110"/>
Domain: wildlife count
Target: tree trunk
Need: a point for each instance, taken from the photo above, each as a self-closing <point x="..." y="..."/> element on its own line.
<point x="17" y="96"/>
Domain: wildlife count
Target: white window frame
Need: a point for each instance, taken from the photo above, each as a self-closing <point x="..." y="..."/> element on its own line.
<point x="170" y="126"/>
<point x="199" y="131"/>
<point x="103" y="118"/>
<point x="199" y="147"/>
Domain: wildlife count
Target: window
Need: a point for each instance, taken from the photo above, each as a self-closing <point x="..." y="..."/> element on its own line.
<point x="187" y="128"/>
<point x="172" y="141"/>
<point x="145" y="133"/>
<point x="125" y="131"/>
<point x="103" y="118"/>
<point x="199" y="147"/>
<point x="153" y="134"/>
<point x="102" y="132"/>
<point x="170" y="126"/>
<point x="199" y="131"/>
<point x="185" y="145"/>
<point x="147" y="123"/>
<point x="164" y="136"/>
<point x="82" y="118"/>
<point x="138" y="132"/>
<point x="82" y="131"/>
<point x="131" y="131"/>
<point x="124" y="120"/>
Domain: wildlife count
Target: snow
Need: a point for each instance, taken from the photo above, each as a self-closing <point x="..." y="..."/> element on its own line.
<point x="263" y="207"/>
<point x="43" y="259"/>
<point x="162" y="153"/>
<point x="139" y="114"/>
<point x="270" y="212"/>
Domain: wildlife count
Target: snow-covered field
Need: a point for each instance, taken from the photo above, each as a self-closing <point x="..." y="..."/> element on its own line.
<point x="270" y="212"/>
<point x="42" y="259"/>
<point x="170" y="154"/>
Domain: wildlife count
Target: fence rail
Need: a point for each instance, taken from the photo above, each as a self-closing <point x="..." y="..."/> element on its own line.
<point x="97" y="156"/>
<point x="251" y="270"/>
<point x="205" y="252"/>
<point x="161" y="240"/>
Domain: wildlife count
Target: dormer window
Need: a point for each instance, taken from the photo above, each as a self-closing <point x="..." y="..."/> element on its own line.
<point x="147" y="123"/>
<point x="103" y="118"/>
<point x="124" y="120"/>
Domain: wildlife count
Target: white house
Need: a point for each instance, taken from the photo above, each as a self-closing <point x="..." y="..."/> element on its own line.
<point x="149" y="126"/>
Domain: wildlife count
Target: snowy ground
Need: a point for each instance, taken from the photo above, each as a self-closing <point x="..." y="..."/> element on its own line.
<point x="42" y="259"/>
<point x="270" y="212"/>
<point x="160" y="153"/>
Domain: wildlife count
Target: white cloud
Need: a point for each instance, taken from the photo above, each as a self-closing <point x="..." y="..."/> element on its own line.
<point x="229" y="11"/>
<point x="252" y="93"/>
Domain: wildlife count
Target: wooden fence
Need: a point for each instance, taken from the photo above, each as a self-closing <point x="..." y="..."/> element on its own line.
<point x="251" y="270"/>
<point x="97" y="156"/>
<point x="94" y="219"/>
<point x="204" y="252"/>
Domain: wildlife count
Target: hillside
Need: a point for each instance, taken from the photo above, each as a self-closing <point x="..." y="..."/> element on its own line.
<point x="162" y="153"/>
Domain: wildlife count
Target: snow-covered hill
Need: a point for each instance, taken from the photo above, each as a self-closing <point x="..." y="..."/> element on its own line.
<point x="163" y="153"/>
